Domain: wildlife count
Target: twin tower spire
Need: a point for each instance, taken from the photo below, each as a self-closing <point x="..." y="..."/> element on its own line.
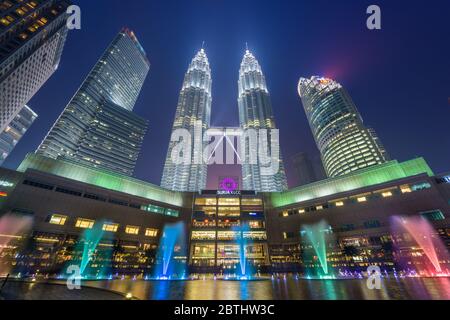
<point x="193" y="114"/>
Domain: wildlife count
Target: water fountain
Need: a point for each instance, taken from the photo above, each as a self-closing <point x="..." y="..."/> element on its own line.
<point x="171" y="256"/>
<point x="245" y="268"/>
<point x="87" y="251"/>
<point x="316" y="234"/>
<point x="424" y="235"/>
<point x="12" y="228"/>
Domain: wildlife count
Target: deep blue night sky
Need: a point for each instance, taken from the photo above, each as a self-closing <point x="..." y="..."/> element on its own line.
<point x="399" y="77"/>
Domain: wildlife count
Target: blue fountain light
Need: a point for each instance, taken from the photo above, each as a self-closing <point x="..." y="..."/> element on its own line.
<point x="242" y="242"/>
<point x="171" y="256"/>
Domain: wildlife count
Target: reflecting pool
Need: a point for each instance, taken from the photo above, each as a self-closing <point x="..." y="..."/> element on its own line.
<point x="283" y="288"/>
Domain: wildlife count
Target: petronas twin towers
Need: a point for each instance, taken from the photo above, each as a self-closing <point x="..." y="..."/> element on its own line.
<point x="194" y="106"/>
<point x="194" y="113"/>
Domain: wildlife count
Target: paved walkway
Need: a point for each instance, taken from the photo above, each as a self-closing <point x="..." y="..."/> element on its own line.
<point x="19" y="290"/>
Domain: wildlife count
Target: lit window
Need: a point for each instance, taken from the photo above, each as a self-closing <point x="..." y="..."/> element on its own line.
<point x="149" y="232"/>
<point x="132" y="230"/>
<point x="203" y="235"/>
<point x="405" y="189"/>
<point x="362" y="199"/>
<point x="58" y="219"/>
<point x="110" y="227"/>
<point x="251" y="202"/>
<point x="229" y="202"/>
<point x="255" y="235"/>
<point x="434" y="215"/>
<point x="421" y="186"/>
<point x="387" y="194"/>
<point x="340" y="204"/>
<point x="84" y="223"/>
<point x="206" y="201"/>
<point x="319" y="208"/>
<point x="301" y="211"/>
<point x="256" y="224"/>
<point x="172" y="212"/>
<point x="285" y="214"/>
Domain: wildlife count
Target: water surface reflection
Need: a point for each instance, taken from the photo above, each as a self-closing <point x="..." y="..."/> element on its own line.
<point x="281" y="289"/>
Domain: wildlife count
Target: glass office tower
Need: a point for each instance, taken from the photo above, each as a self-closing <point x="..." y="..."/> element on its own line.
<point x="98" y="127"/>
<point x="194" y="107"/>
<point x="255" y="112"/>
<point x="15" y="130"/>
<point x="32" y="37"/>
<point x="345" y="144"/>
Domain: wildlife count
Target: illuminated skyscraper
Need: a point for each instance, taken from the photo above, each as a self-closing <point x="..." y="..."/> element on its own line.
<point x="345" y="144"/>
<point x="98" y="127"/>
<point x="15" y="130"/>
<point x="194" y="106"/>
<point x="32" y="37"/>
<point x="255" y="112"/>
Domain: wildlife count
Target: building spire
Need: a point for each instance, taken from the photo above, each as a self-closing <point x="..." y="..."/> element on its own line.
<point x="246" y="47"/>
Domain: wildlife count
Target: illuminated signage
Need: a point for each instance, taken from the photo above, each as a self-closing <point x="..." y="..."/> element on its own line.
<point x="3" y="194"/>
<point x="229" y="184"/>
<point x="228" y="193"/>
<point x="4" y="183"/>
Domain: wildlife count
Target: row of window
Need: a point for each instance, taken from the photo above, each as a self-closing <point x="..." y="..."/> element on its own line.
<point x="148" y="207"/>
<point x="432" y="215"/>
<point x="83" y="223"/>
<point x="228" y="235"/>
<point x="228" y="201"/>
<point x="361" y="198"/>
<point x="227" y="223"/>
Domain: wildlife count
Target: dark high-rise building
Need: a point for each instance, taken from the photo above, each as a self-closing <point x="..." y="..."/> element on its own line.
<point x="307" y="169"/>
<point x="255" y="112"/>
<point x="345" y="144"/>
<point x="32" y="37"/>
<point x="15" y="130"/>
<point x="98" y="127"/>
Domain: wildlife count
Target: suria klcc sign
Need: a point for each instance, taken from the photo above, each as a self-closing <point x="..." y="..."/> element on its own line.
<point x="229" y="186"/>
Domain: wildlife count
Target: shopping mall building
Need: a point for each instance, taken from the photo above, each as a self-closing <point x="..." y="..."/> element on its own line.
<point x="64" y="199"/>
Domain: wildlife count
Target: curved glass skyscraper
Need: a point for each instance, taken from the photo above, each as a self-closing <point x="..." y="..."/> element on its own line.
<point x="193" y="114"/>
<point x="255" y="112"/>
<point x="345" y="144"/>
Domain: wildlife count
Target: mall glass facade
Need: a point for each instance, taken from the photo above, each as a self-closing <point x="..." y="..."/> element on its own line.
<point x="218" y="221"/>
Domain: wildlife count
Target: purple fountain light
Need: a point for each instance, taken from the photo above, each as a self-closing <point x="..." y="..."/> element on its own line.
<point x="12" y="227"/>
<point x="426" y="238"/>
